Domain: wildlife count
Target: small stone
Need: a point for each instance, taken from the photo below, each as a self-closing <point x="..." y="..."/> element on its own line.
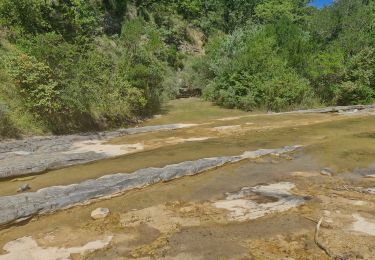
<point x="187" y="209"/>
<point x="326" y="172"/>
<point x="24" y="179"/>
<point x="24" y="188"/>
<point x="286" y="157"/>
<point x="100" y="213"/>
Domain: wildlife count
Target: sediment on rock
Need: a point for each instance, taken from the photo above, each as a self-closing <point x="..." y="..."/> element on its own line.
<point x="23" y="206"/>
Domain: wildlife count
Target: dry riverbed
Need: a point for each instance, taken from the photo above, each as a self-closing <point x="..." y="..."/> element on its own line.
<point x="265" y="207"/>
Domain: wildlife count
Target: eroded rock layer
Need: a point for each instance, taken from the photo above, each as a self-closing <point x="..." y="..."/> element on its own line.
<point x="23" y="206"/>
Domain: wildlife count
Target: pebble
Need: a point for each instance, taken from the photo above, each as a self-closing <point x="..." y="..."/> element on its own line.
<point x="100" y="213"/>
<point x="24" y="188"/>
<point x="326" y="172"/>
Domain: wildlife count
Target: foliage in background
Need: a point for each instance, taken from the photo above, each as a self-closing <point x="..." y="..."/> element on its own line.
<point x="78" y="65"/>
<point x="81" y="65"/>
<point x="248" y="73"/>
<point x="290" y="55"/>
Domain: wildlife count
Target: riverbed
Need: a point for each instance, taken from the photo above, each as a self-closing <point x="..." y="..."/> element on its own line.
<point x="266" y="207"/>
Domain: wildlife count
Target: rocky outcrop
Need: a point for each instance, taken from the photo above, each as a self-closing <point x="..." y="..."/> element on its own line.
<point x="341" y="109"/>
<point x="38" y="154"/>
<point x="25" y="205"/>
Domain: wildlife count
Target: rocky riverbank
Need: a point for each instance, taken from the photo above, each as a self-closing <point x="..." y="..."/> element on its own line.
<point x="197" y="186"/>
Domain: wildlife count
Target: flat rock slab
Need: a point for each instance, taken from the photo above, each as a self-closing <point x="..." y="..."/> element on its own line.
<point x="38" y="154"/>
<point x="23" y="206"/>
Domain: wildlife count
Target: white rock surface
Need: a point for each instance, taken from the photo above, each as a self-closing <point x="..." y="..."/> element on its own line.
<point x="27" y="248"/>
<point x="100" y="146"/>
<point x="363" y="225"/>
<point x="241" y="207"/>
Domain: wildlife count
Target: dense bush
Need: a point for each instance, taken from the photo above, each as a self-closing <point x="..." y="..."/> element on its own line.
<point x="249" y="74"/>
<point x="70" y="76"/>
<point x="289" y="55"/>
<point x="353" y="93"/>
<point x="7" y="129"/>
<point x="35" y="84"/>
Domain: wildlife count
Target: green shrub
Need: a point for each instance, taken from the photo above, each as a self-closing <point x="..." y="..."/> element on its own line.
<point x="286" y="91"/>
<point x="361" y="67"/>
<point x="249" y="74"/>
<point x="73" y="19"/>
<point x="7" y="129"/>
<point x="353" y="93"/>
<point x="35" y="85"/>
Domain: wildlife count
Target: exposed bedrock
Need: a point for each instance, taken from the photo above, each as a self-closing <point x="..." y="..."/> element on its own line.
<point x="37" y="154"/>
<point x="23" y="206"/>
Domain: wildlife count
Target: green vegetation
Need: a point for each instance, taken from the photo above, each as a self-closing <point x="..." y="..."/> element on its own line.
<point x="290" y="55"/>
<point x="80" y="65"/>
